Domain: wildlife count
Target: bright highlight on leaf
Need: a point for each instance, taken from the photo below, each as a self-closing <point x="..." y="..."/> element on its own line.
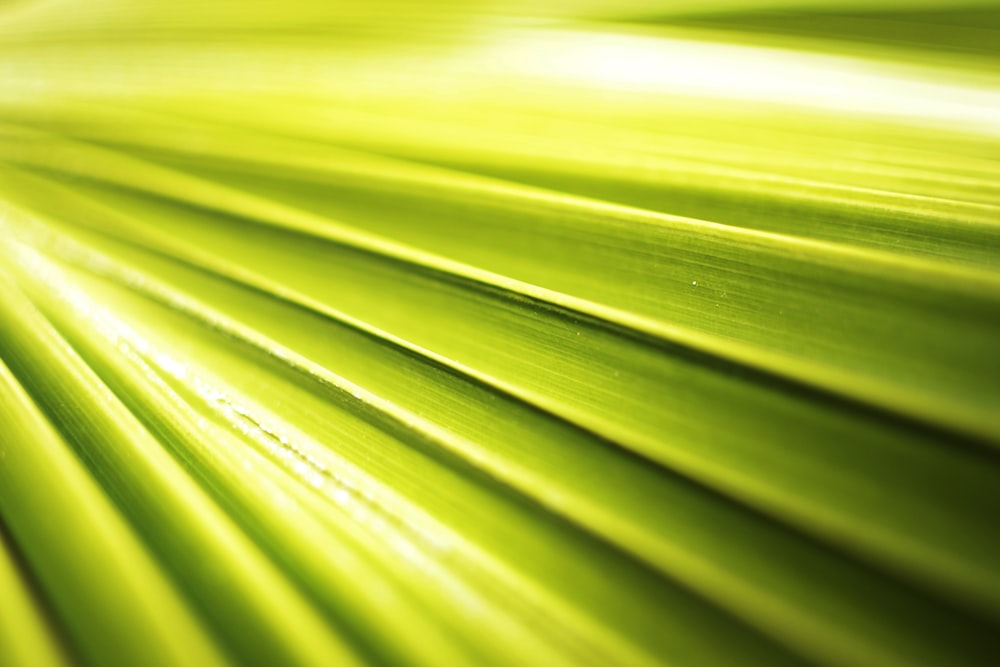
<point x="474" y="333"/>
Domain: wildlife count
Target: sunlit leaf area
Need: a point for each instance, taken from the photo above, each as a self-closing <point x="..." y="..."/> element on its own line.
<point x="466" y="332"/>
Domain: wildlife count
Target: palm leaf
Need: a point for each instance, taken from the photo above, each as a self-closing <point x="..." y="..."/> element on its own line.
<point x="417" y="334"/>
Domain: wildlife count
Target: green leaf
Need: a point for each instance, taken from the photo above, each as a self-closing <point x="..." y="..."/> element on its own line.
<point x="603" y="337"/>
